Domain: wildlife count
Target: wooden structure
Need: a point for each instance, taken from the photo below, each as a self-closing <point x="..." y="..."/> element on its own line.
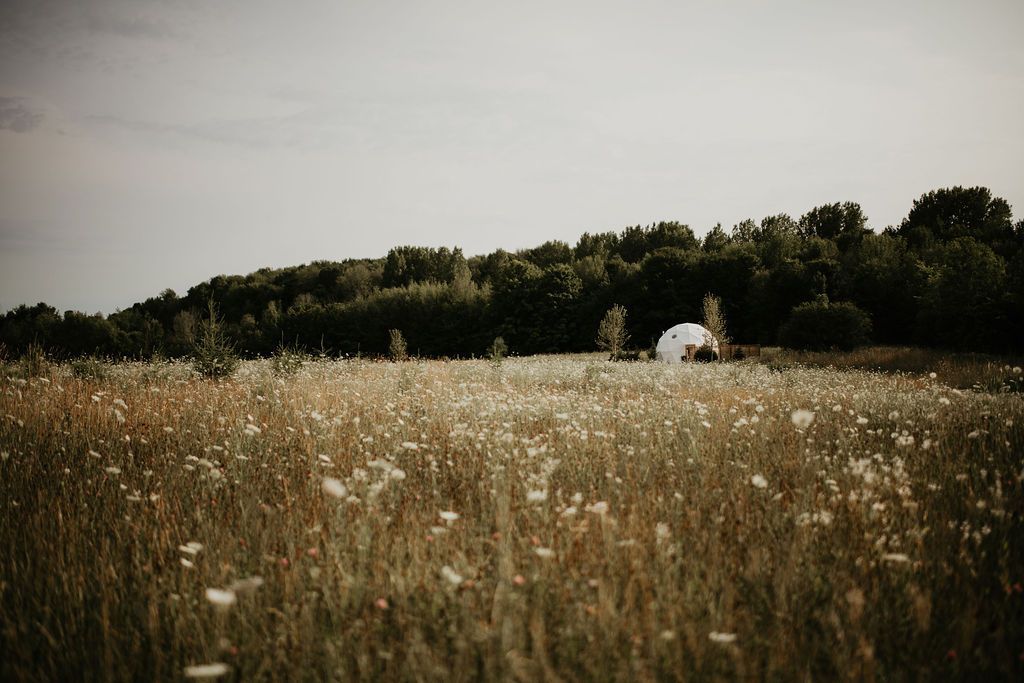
<point x="739" y="351"/>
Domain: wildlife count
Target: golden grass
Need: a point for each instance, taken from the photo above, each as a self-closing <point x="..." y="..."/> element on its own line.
<point x="615" y="522"/>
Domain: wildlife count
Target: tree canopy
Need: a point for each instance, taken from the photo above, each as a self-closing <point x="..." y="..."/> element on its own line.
<point x="951" y="274"/>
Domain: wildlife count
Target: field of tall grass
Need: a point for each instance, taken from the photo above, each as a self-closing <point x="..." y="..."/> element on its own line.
<point x="548" y="518"/>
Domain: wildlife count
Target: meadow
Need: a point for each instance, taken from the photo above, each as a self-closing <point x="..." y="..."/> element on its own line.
<point x="546" y="518"/>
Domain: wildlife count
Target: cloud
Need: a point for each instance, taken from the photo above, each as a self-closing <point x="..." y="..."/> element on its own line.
<point x="17" y="115"/>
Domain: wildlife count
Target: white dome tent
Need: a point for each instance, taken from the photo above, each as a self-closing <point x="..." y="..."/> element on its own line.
<point x="672" y="345"/>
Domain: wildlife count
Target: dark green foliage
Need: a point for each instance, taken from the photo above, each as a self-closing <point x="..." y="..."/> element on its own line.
<point x="820" y="325"/>
<point x="497" y="351"/>
<point x="705" y="354"/>
<point x="89" y="367"/>
<point x="951" y="275"/>
<point x="214" y="354"/>
<point x="288" y="360"/>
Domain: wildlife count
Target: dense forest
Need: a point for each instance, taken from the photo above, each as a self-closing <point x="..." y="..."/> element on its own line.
<point x="950" y="275"/>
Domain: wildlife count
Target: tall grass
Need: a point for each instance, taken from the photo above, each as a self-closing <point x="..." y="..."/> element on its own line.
<point x="543" y="518"/>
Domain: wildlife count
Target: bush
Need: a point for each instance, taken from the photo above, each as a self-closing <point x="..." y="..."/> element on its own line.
<point x="705" y="354"/>
<point x="397" y="348"/>
<point x="213" y="353"/>
<point x="821" y="325"/>
<point x="89" y="368"/>
<point x="287" y="360"/>
<point x="497" y="351"/>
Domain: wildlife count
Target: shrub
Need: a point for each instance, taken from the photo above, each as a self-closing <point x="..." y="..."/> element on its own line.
<point x="821" y="325"/>
<point x="287" y="360"/>
<point x="397" y="348"/>
<point x="497" y="351"/>
<point x="611" y="333"/>
<point x="89" y="368"/>
<point x="705" y="354"/>
<point x="213" y="353"/>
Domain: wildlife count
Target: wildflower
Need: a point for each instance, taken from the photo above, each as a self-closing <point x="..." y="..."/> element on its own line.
<point x="187" y="564"/>
<point x="538" y="496"/>
<point x="759" y="482"/>
<point x="598" y="508"/>
<point x="246" y="585"/>
<point x="410" y="445"/>
<point x="206" y="670"/>
<point x="905" y="440"/>
<point x="334" y="487"/>
<point x="221" y="597"/>
<point x="544" y="553"/>
<point x="381" y="603"/>
<point x="662" y="531"/>
<point x="448" y="515"/>
<point x="191" y="548"/>
<point x="451" y="576"/>
<point x="899" y="558"/>
<point x="251" y="429"/>
<point x="724" y="638"/>
<point x="398" y="474"/>
<point x="802" y="418"/>
<point x="113" y="470"/>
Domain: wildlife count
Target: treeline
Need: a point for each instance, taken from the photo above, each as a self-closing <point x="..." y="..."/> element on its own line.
<point x="950" y="275"/>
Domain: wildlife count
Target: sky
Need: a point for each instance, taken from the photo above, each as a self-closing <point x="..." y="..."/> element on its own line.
<point x="146" y="145"/>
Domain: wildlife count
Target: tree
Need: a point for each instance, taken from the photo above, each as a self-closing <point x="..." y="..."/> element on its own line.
<point x="213" y="354"/>
<point x="611" y="333"/>
<point x="397" y="348"/>
<point x="843" y="223"/>
<point x="820" y="325"/>
<point x="943" y="215"/>
<point x="714" y="321"/>
<point x="715" y="240"/>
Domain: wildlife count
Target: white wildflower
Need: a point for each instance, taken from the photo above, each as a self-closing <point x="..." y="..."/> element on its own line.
<point x="334" y="487"/>
<point x="759" y="482"/>
<point x="724" y="638"/>
<point x="896" y="557"/>
<point x="206" y="670"/>
<point x="536" y="496"/>
<point x="802" y="418"/>
<point x="221" y="597"/>
<point x="451" y="576"/>
<point x="246" y="585"/>
<point x="448" y="515"/>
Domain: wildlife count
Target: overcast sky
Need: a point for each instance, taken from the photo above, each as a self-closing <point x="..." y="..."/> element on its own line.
<point x="146" y="145"/>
